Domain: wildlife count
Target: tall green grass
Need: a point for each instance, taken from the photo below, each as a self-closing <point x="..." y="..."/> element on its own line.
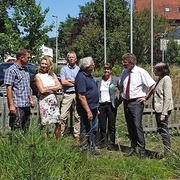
<point x="33" y="157"/>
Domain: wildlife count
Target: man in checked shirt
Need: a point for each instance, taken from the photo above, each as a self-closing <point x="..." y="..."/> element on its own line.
<point x="17" y="81"/>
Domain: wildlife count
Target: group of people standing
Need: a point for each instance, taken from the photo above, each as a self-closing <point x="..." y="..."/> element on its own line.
<point x="95" y="102"/>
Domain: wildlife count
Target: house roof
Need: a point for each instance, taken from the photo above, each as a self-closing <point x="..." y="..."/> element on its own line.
<point x="168" y="8"/>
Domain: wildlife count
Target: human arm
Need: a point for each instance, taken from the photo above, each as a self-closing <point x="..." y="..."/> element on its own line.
<point x="41" y="88"/>
<point x="149" y="82"/>
<point x="57" y="85"/>
<point x="11" y="104"/>
<point x="67" y="82"/>
<point x="31" y="101"/>
<point x="150" y="91"/>
<point x="167" y="96"/>
<point x="85" y="105"/>
<point x="63" y="77"/>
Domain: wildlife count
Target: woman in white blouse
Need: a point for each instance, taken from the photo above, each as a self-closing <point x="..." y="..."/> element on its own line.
<point x="108" y="104"/>
<point x="47" y="84"/>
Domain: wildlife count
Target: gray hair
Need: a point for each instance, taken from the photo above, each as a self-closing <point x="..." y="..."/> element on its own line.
<point x="130" y="57"/>
<point x="71" y="52"/>
<point x="84" y="63"/>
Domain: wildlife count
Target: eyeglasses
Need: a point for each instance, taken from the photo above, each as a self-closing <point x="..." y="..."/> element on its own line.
<point x="92" y="65"/>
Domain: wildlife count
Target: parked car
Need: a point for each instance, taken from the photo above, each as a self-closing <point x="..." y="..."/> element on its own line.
<point x="3" y="66"/>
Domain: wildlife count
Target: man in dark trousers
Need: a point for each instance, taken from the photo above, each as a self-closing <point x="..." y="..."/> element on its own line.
<point x="136" y="85"/>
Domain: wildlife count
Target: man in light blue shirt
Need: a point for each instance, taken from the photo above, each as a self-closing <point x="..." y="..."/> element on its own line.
<point x="67" y="77"/>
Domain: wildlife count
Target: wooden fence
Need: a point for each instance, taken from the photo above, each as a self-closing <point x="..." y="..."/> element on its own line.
<point x="149" y="122"/>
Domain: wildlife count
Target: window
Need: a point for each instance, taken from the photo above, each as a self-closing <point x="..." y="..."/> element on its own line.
<point x="178" y="9"/>
<point x="167" y="9"/>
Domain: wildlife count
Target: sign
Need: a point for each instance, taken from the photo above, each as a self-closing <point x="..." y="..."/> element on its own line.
<point x="163" y="44"/>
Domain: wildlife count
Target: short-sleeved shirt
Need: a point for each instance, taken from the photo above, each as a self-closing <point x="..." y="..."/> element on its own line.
<point x="68" y="72"/>
<point x="85" y="83"/>
<point x="140" y="82"/>
<point x="19" y="79"/>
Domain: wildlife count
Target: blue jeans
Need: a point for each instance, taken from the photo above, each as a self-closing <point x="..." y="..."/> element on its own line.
<point x="163" y="130"/>
<point x="88" y="129"/>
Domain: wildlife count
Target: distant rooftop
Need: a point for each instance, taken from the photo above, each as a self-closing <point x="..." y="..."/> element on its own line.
<point x="168" y="8"/>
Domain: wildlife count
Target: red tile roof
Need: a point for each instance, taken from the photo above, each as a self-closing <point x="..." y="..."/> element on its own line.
<point x="159" y="7"/>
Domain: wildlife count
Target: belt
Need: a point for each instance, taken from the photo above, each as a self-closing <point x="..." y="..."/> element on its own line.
<point x="71" y="92"/>
<point x="105" y="103"/>
<point x="130" y="100"/>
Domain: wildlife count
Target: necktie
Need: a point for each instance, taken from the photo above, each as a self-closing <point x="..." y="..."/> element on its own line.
<point x="128" y="86"/>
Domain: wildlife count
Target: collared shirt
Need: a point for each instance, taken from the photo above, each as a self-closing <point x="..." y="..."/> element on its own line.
<point x="19" y="79"/>
<point x="140" y="82"/>
<point x="68" y="72"/>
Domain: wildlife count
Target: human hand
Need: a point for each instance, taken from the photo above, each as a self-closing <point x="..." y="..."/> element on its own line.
<point x="32" y="104"/>
<point x="12" y="109"/>
<point x="98" y="112"/>
<point x="71" y="81"/>
<point x="89" y="115"/>
<point x="141" y="99"/>
<point x="162" y="117"/>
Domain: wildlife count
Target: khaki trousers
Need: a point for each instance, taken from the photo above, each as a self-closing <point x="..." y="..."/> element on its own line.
<point x="67" y="101"/>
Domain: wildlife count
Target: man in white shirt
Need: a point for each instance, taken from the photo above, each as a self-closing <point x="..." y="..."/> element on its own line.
<point x="136" y="85"/>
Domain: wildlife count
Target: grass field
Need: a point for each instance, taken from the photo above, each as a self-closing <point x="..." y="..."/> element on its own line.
<point x="32" y="157"/>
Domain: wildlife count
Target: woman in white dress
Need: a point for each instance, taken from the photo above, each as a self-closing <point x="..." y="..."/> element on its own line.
<point x="47" y="84"/>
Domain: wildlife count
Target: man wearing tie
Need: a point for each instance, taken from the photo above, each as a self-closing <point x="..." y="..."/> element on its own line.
<point x="136" y="85"/>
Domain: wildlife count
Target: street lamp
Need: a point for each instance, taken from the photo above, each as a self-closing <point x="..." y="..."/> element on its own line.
<point x="104" y="31"/>
<point x="56" y="38"/>
<point x="131" y="25"/>
<point x="152" y="49"/>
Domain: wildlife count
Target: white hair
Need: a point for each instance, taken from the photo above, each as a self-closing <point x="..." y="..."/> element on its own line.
<point x="85" y="62"/>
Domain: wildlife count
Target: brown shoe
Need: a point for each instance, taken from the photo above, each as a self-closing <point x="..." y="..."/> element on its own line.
<point x="77" y="138"/>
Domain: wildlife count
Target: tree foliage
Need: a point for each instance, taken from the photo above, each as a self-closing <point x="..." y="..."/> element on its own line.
<point x="172" y="54"/>
<point x="142" y="35"/>
<point x="30" y="19"/>
<point x="85" y="34"/>
<point x="24" y="27"/>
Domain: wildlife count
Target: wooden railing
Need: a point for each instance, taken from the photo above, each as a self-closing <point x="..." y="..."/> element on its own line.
<point x="149" y="122"/>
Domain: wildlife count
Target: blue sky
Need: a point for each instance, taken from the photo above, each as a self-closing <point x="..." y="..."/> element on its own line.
<point x="61" y="8"/>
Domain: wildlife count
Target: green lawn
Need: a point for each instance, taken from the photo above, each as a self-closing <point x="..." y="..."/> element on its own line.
<point x="31" y="157"/>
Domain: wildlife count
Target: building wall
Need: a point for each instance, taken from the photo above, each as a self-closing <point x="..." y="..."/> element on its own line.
<point x="47" y="51"/>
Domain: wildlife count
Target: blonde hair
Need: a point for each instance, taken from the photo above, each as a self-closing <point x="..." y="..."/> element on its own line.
<point x="49" y="66"/>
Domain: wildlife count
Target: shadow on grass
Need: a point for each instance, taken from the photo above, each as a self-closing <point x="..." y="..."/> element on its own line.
<point x="150" y="154"/>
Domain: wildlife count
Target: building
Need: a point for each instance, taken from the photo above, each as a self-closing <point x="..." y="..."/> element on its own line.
<point x="46" y="51"/>
<point x="168" y="8"/>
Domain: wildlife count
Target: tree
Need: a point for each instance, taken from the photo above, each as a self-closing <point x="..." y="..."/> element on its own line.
<point x="65" y="34"/>
<point x="172" y="54"/>
<point x="142" y="35"/>
<point x="5" y="28"/>
<point x="30" y="20"/>
<point x="85" y="34"/>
